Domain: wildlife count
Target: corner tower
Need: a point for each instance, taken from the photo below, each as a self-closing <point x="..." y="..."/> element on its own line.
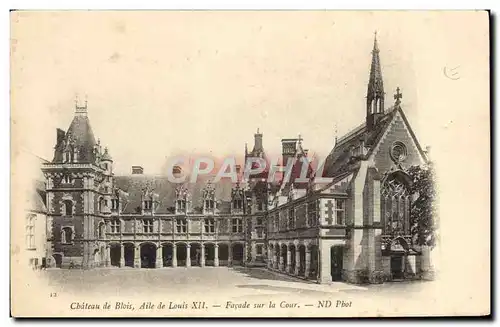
<point x="78" y="185"/>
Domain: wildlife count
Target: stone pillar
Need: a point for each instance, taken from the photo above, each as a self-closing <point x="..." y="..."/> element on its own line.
<point x="216" y="255"/>
<point x="230" y="255"/>
<point x="411" y="265"/>
<point x="253" y="249"/>
<point x="122" y="255"/>
<point x="159" y="257"/>
<point x="108" y="256"/>
<point x="188" y="255"/>
<point x="275" y="260"/>
<point x="282" y="260"/>
<point x="297" y="261"/>
<point x="269" y="257"/>
<point x="245" y="254"/>
<point x="308" y="262"/>
<point x="137" y="257"/>
<point x="174" y="255"/>
<point x="288" y="260"/>
<point x="202" y="254"/>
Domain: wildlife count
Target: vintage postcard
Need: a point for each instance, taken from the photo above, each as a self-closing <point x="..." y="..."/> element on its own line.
<point x="250" y="164"/>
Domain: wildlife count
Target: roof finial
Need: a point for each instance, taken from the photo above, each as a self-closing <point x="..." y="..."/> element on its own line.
<point x="258" y="129"/>
<point x="375" y="43"/>
<point x="300" y="138"/>
<point x="80" y="111"/>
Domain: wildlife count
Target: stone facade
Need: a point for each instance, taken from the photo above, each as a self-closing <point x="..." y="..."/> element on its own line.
<point x="354" y="228"/>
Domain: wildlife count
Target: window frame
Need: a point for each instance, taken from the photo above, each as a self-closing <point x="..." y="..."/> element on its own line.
<point x="237" y="225"/>
<point x="147" y="226"/>
<point x="209" y="225"/>
<point x="181" y="225"/>
<point x="342" y="210"/>
<point x="115" y="226"/>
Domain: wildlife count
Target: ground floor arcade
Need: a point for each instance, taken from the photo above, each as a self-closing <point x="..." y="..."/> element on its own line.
<point x="296" y="259"/>
<point x="151" y="255"/>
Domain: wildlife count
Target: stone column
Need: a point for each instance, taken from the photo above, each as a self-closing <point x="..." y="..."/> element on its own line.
<point x="122" y="255"/>
<point x="216" y="255"/>
<point x="275" y="260"/>
<point x="288" y="260"/>
<point x="269" y="257"/>
<point x="282" y="260"/>
<point x="159" y="257"/>
<point x="307" y="263"/>
<point x="108" y="256"/>
<point x="174" y="255"/>
<point x="245" y="254"/>
<point x="137" y="257"/>
<point x="202" y="254"/>
<point x="188" y="255"/>
<point x="297" y="261"/>
<point x="230" y="255"/>
<point x="253" y="251"/>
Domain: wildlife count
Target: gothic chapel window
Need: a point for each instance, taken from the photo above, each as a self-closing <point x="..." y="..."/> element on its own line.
<point x="395" y="206"/>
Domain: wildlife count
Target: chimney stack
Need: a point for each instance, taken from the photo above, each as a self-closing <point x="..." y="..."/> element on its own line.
<point x="177" y="171"/>
<point x="137" y="170"/>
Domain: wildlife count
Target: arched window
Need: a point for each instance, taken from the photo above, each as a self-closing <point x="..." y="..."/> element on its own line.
<point x="68" y="207"/>
<point x="67" y="235"/>
<point x="395" y="204"/>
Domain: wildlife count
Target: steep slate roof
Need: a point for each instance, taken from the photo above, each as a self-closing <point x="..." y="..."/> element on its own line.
<point x="81" y="133"/>
<point x="164" y="190"/>
<point x="340" y="160"/>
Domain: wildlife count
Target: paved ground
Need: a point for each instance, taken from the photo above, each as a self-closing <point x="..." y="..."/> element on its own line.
<point x="235" y="282"/>
<point x="221" y="286"/>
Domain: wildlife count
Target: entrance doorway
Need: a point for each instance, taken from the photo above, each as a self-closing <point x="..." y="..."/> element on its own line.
<point x="336" y="262"/>
<point x="237" y="254"/>
<point x="148" y="255"/>
<point x="129" y="254"/>
<point x="115" y="253"/>
<point x="397" y="267"/>
<point x="58" y="259"/>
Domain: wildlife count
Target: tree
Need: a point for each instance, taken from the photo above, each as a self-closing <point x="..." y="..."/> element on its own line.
<point x="423" y="208"/>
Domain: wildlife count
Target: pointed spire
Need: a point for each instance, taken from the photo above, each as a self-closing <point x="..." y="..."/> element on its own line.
<point x="375" y="93"/>
<point x="376" y="83"/>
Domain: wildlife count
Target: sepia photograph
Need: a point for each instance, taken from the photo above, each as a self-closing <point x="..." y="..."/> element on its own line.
<point x="250" y="163"/>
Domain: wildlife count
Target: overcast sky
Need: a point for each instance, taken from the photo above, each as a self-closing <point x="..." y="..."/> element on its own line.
<point x="162" y="83"/>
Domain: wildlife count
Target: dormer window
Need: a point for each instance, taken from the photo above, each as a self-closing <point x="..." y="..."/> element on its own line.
<point x="209" y="204"/>
<point x="66" y="156"/>
<point x="181" y="205"/>
<point x="237" y="204"/>
<point x="148" y="204"/>
<point x="115" y="204"/>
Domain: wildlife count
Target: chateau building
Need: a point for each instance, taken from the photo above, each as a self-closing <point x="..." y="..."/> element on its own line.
<point x="354" y="229"/>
